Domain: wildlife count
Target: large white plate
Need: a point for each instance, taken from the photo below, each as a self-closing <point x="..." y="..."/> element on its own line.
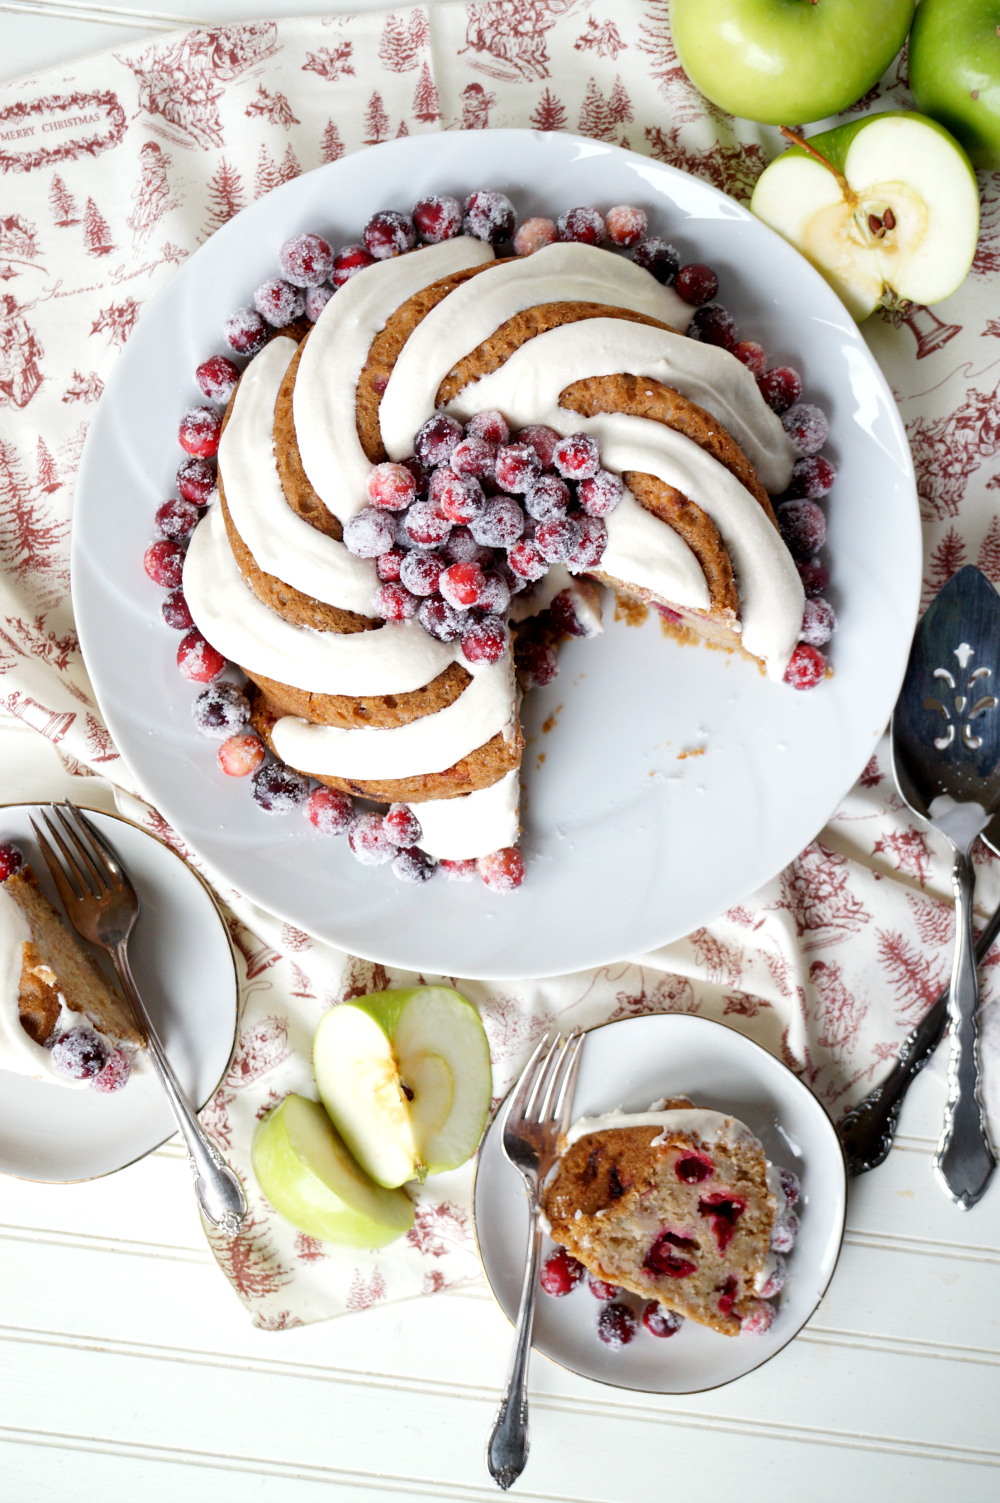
<point x="630" y="1064"/>
<point x="628" y="846"/>
<point x="183" y="965"/>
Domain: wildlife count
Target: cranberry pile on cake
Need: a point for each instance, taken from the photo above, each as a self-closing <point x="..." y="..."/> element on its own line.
<point x="447" y="437"/>
<point x="677" y="1205"/>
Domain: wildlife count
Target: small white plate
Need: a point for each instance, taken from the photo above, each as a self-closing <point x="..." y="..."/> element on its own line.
<point x="631" y="841"/>
<point x="629" y="1064"/>
<point x="184" y="967"/>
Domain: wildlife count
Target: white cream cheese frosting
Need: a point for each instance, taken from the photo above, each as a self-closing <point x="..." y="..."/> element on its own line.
<point x="323" y="403"/>
<point x="709" y="1127"/>
<point x="282" y="542"/>
<point x="460" y="829"/>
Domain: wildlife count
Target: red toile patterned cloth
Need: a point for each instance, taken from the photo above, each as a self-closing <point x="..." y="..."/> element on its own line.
<point x="112" y="171"/>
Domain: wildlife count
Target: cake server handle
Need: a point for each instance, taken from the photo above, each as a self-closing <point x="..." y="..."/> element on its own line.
<point x="508" y="1445"/>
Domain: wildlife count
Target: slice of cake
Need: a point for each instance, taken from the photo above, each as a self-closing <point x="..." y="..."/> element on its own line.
<point x="673" y="1204"/>
<point x="61" y="1020"/>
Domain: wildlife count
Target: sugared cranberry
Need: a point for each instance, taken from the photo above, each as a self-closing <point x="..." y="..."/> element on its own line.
<point x="499" y="524"/>
<point x="758" y="1318"/>
<point x="696" y="283"/>
<point x="536" y="665"/>
<point x="459" y="497"/>
<point x="392" y="601"/>
<point x="723" y="1211"/>
<point x="527" y="560"/>
<point x="592" y="542"/>
<point x="421" y="573"/>
<point x="115" y="1074"/>
<point x="305" y="260"/>
<point x="600" y="493"/>
<point x="693" y="1168"/>
<point x="176" y="520"/>
<point x="163" y="561"/>
<point x="245" y="331"/>
<point x="278" y="789"/>
<point x="751" y="354"/>
<point x="502" y="870"/>
<point x="812" y="478"/>
<point x="425" y="525"/>
<point x="583" y="225"/>
<point x="785" y="1232"/>
<point x="348" y="262"/>
<point x="388" y="564"/>
<point x="369" y="532"/>
<point x="317" y="299"/>
<point x="818" y="622"/>
<point x="534" y="235"/>
<point x="548" y="498"/>
<point x="516" y="468"/>
<point x="390" y="487"/>
<point x="437" y="218"/>
<point x="562" y="609"/>
<point x="413" y="865"/>
<point x="221" y="711"/>
<point x="80" y="1053"/>
<point x="437" y="440"/>
<point x="626" y="225"/>
<point x="560" y="1272"/>
<point x="368" y="840"/>
<point x="279" y="302"/>
<point x="776" y="1278"/>
<point x="557" y="539"/>
<point x="440" y="620"/>
<point x="490" y="426"/>
<point x="11" y="860"/>
<point x="462" y="585"/>
<point x="402" y="826"/>
<point x="807" y="427"/>
<point x="458" y="871"/>
<point x="803" y="527"/>
<point x="241" y="755"/>
<point x="475" y="457"/>
<point x="714" y="325"/>
<point x="577" y="457"/>
<point x="815" y="577"/>
<point x="780" y="387"/>
<point x="790" y="1186"/>
<point x="199" y="430"/>
<point x="217" y="378"/>
<point x="601" y="1289"/>
<point x="616" y="1325"/>
<point x="330" y="810"/>
<point x="487" y="640"/>
<point x="665" y="1257"/>
<point x="198" y="660"/>
<point x="658" y="257"/>
<point x="543" y="440"/>
<point x="659" y="1321"/>
<point x="806" y="668"/>
<point x="462" y="548"/>
<point x="495" y="595"/>
<point x="489" y="216"/>
<point x="196" y="481"/>
<point x="389" y="234"/>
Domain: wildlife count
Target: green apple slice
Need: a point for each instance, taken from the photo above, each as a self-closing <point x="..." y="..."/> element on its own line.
<point x="887" y="209"/>
<point x="406" y="1078"/>
<point x="305" y="1171"/>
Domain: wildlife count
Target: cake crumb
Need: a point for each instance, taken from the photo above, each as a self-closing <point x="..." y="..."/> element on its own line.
<point x="632" y="612"/>
<point x="551" y="722"/>
<point x="694" y="751"/>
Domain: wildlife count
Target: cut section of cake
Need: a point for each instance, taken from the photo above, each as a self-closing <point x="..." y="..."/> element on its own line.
<point x="673" y="1204"/>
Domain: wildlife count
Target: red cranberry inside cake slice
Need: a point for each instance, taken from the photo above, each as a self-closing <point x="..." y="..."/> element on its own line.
<point x="672" y="1204"/>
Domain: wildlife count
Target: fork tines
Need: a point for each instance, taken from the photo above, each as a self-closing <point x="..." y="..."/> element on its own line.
<point x="94" y="870"/>
<point x="545" y="1091"/>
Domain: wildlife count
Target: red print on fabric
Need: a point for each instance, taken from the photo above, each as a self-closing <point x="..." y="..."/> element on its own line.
<point x="950" y="449"/>
<point x="180" y="82"/>
<point x="815" y="890"/>
<point x="20" y="352"/>
<point x="512" y="32"/>
<point x="152" y="195"/>
<point x="58" y="128"/>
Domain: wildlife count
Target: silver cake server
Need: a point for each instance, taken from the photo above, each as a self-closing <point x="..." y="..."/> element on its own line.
<point x="946" y="761"/>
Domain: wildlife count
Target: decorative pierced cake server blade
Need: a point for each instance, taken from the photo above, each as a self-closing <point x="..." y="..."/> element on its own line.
<point x="946" y="761"/>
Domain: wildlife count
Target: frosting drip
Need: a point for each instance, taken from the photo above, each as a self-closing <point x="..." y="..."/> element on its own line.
<point x="281" y="541"/>
<point x="709" y="1127"/>
<point x="460" y="829"/>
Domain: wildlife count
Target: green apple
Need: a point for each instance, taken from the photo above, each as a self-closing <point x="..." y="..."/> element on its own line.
<point x="786" y="62"/>
<point x="954" y="64"/>
<point x="887" y="208"/>
<point x="308" y="1175"/>
<point x="406" y="1077"/>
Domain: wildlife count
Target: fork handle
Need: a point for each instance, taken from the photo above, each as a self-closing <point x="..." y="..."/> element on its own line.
<point x="219" y="1191"/>
<point x="507" y="1447"/>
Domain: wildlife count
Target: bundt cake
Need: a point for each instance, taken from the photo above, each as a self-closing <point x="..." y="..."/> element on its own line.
<point x="61" y="1020"/>
<point x="574" y="342"/>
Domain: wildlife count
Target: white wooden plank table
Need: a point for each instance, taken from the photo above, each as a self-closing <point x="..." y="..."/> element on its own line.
<point x="128" y="1368"/>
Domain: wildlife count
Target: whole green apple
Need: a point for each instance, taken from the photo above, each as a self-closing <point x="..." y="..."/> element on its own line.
<point x="955" y="72"/>
<point x="786" y="62"/>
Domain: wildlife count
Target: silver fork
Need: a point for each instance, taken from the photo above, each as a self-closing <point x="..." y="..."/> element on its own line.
<point x="538" y="1111"/>
<point x="102" y="905"/>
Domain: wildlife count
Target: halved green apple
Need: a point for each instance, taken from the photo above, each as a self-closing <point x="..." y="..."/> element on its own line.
<point x="307" y="1174"/>
<point x="887" y="209"/>
<point x="405" y="1076"/>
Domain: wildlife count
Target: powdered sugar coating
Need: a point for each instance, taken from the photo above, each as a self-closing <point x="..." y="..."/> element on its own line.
<point x="329" y="810"/>
<point x="245" y="331"/>
<point x="392" y="601"/>
<point x="241" y="755"/>
<point x="413" y="865"/>
<point x="402" y="826"/>
<point x="534" y="235"/>
<point x="437" y="217"/>
<point x="502" y="870"/>
<point x="388" y="234"/>
<point x="626" y="225"/>
<point x="806" y="668"/>
<point x="803" y="527"/>
<point x="278" y="789"/>
<point x="198" y="660"/>
<point x="807" y="427"/>
<point x="584" y="225"/>
<point x="199" y="430"/>
<point x="489" y="216"/>
<point x="217" y="378"/>
<point x="220" y="711"/>
<point x="500" y="523"/>
<point x="317" y="299"/>
<point x="369" y="841"/>
<point x="278" y="302"/>
<point x="305" y="260"/>
<point x="599" y="494"/>
<point x="819" y="622"/>
<point x="369" y="533"/>
<point x="196" y="480"/>
<point x="577" y="456"/>
<point x="348" y="261"/>
<point x="486" y="641"/>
